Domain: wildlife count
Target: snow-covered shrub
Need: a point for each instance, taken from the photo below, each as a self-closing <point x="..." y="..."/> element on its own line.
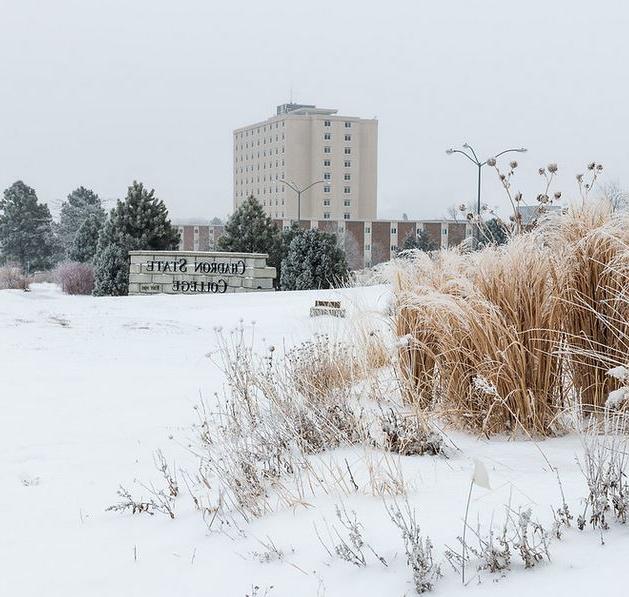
<point x="346" y="540"/>
<point x="12" y="277"/>
<point x="604" y="464"/>
<point x="314" y="260"/>
<point x="75" y="277"/>
<point x="409" y="434"/>
<point x="426" y="572"/>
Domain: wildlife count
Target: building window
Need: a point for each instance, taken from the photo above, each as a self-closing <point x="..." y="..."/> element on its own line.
<point x="326" y="176"/>
<point x="326" y="215"/>
<point x="367" y="247"/>
<point x="326" y="202"/>
<point x="347" y="203"/>
<point x="347" y="190"/>
<point x="394" y="247"/>
<point x="393" y="230"/>
<point x="348" y="125"/>
<point x="348" y="137"/>
<point x="326" y="123"/>
<point x="326" y="149"/>
<point x="347" y="177"/>
<point x="347" y="216"/>
<point x="326" y="162"/>
<point x="348" y="150"/>
<point x="348" y="163"/>
<point x="327" y="136"/>
<point x="326" y="189"/>
<point x="368" y="230"/>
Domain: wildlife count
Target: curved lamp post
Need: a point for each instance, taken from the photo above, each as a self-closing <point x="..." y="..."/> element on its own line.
<point x="299" y="191"/>
<point x="470" y="154"/>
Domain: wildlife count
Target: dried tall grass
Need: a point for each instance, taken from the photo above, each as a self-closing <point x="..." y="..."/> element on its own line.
<point x="494" y="339"/>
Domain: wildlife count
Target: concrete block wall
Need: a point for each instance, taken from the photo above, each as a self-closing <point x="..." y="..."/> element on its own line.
<point x="198" y="272"/>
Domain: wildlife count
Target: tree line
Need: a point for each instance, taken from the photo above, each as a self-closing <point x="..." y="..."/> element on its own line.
<point x="86" y="233"/>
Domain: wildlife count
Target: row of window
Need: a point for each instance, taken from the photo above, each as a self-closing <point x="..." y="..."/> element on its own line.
<point x="257" y="179"/>
<point x="328" y="137"/>
<point x="346" y="203"/>
<point x="346" y="163"/>
<point x="251" y="157"/>
<point x="328" y="149"/>
<point x="264" y="142"/>
<point x="346" y="190"/>
<point x="346" y="215"/>
<point x="348" y="125"/>
<point x="259" y="130"/>
<point x="328" y="176"/>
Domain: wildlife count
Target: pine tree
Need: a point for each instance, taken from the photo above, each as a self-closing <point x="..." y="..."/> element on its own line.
<point x="85" y="243"/>
<point x="421" y="241"/>
<point x="111" y="273"/>
<point x="26" y="233"/>
<point x="79" y="206"/>
<point x="140" y="222"/>
<point x="250" y="230"/>
<point x="314" y="260"/>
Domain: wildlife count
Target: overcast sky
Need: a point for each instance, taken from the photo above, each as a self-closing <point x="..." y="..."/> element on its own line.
<point x="101" y="92"/>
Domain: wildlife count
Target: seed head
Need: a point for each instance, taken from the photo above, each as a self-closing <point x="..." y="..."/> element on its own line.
<point x="491" y="162"/>
<point x="552" y="168"/>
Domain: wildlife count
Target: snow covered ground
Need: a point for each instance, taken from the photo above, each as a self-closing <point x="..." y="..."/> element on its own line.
<point x="90" y="387"/>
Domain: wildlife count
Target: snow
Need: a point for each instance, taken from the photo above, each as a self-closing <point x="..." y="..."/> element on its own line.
<point x="90" y="387"/>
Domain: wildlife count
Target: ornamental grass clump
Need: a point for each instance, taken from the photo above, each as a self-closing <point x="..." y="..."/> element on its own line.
<point x="540" y="320"/>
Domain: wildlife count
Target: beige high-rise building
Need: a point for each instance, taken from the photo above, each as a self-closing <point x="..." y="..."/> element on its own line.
<point x="302" y="145"/>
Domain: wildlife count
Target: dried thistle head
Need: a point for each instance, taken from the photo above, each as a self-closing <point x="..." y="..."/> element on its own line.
<point x="513" y="165"/>
<point x="491" y="162"/>
<point x="552" y="168"/>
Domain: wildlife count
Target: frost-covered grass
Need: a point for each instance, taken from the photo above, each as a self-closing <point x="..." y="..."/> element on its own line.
<point x="92" y="387"/>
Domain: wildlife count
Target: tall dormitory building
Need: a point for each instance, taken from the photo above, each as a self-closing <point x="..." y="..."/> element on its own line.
<point x="303" y="144"/>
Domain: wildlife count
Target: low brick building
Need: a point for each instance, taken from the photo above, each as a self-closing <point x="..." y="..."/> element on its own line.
<point x="198" y="236"/>
<point x="366" y="242"/>
<point x="371" y="242"/>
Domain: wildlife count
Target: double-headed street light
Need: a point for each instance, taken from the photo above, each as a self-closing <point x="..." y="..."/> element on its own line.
<point x="470" y="154"/>
<point x="299" y="191"/>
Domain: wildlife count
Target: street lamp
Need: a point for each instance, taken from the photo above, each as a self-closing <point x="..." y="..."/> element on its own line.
<point x="467" y="149"/>
<point x="299" y="191"/>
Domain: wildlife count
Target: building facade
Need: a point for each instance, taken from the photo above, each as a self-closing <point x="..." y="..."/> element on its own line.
<point x="366" y="242"/>
<point x="301" y="145"/>
<point x="198" y="236"/>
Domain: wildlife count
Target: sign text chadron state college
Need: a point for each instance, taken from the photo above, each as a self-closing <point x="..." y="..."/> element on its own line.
<point x="195" y="272"/>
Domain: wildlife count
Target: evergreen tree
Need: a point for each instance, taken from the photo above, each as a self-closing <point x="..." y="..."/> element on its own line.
<point x="79" y="206"/>
<point x="314" y="260"/>
<point x="26" y="233"/>
<point x="250" y="230"/>
<point x="85" y="243"/>
<point x="421" y="241"/>
<point x="140" y="222"/>
<point x="111" y="271"/>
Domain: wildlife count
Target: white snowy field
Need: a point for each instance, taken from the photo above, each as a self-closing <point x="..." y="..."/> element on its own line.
<point x="90" y="387"/>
